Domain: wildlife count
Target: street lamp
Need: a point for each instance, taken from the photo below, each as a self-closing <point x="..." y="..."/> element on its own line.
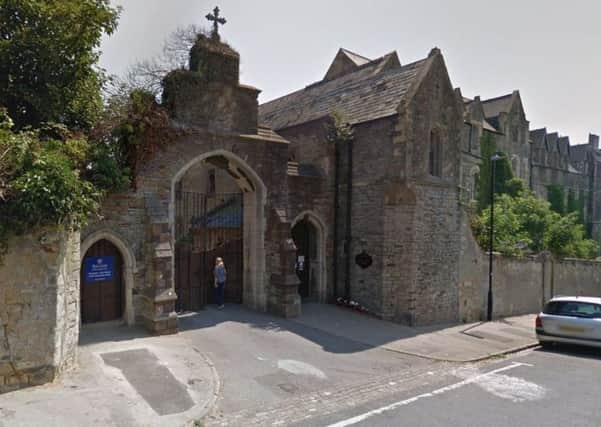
<point x="493" y="161"/>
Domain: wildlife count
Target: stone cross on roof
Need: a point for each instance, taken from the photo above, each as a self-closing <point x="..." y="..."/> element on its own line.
<point x="216" y="21"/>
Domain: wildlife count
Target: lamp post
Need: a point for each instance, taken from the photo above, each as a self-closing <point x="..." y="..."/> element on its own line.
<point x="493" y="161"/>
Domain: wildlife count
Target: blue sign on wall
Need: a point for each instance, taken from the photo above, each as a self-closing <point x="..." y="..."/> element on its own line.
<point x="99" y="268"/>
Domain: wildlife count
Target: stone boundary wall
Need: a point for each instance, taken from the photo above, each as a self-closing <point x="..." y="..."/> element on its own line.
<point x="521" y="285"/>
<point x="39" y="308"/>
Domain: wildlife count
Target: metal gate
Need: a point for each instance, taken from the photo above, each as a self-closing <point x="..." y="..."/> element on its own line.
<point x="207" y="226"/>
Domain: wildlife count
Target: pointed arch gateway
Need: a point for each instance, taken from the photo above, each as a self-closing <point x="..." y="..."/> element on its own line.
<point x="309" y="235"/>
<point x="217" y="208"/>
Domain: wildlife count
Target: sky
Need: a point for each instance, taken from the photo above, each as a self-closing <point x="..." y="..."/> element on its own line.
<point x="550" y="50"/>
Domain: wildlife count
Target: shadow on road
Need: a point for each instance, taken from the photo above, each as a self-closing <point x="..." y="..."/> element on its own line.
<point x="110" y="331"/>
<point x="210" y="317"/>
<point x="573" y="351"/>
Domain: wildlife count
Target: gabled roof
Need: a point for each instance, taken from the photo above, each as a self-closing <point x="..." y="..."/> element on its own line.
<point x="538" y="137"/>
<point x="345" y="62"/>
<point x="552" y="142"/>
<point x="578" y="153"/>
<point x="474" y="111"/>
<point x="563" y="145"/>
<point x="355" y="57"/>
<point x="495" y="106"/>
<point x="374" y="90"/>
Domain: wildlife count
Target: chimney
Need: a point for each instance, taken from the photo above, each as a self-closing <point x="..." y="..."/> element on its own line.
<point x="593" y="141"/>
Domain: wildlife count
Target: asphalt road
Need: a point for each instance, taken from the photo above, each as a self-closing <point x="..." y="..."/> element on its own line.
<point x="561" y="387"/>
<point x="265" y="361"/>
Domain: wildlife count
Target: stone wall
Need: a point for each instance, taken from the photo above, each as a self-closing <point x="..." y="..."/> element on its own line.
<point x="39" y="308"/>
<point x="520" y="285"/>
<point x="313" y="194"/>
<point x="422" y="232"/>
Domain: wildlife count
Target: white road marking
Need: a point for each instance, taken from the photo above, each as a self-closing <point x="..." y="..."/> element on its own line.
<point x="504" y="386"/>
<point x="471" y="380"/>
<point x="301" y="368"/>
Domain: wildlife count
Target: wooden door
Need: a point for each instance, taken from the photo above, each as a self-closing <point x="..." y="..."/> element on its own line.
<point x="102" y="283"/>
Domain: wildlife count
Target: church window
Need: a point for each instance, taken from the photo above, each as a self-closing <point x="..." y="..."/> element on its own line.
<point x="514" y="134"/>
<point x="435" y="157"/>
<point x="476" y="186"/>
<point x="211" y="182"/>
<point x="473" y="138"/>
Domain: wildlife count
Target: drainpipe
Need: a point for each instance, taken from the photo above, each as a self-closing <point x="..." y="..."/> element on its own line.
<point x="336" y="212"/>
<point x="349" y="204"/>
<point x="531" y="171"/>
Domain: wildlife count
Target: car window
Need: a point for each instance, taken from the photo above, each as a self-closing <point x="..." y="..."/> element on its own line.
<point x="573" y="308"/>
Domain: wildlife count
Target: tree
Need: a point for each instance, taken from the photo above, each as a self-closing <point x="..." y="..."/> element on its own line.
<point x="556" y="197"/>
<point x="503" y="173"/>
<point x="525" y="220"/>
<point x="147" y="75"/>
<point x="48" y="60"/>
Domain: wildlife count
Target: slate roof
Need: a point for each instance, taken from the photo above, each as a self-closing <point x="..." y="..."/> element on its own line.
<point x="266" y="134"/>
<point x="226" y="215"/>
<point x="538" y="137"/>
<point x="495" y="106"/>
<point x="552" y="142"/>
<point x="578" y="153"/>
<point x="563" y="144"/>
<point x="372" y="92"/>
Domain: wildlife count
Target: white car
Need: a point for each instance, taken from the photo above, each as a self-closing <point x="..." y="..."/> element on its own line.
<point x="570" y="320"/>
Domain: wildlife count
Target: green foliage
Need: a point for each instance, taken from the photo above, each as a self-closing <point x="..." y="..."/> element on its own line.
<point x="556" y="197"/>
<point x="523" y="220"/>
<point x="48" y="57"/>
<point x="567" y="238"/>
<point x="503" y="174"/>
<point x="51" y="177"/>
<point x="133" y="130"/>
<point x="576" y="204"/>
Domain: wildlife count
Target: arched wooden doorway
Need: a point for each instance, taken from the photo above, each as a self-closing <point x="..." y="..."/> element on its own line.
<point x="102" y="296"/>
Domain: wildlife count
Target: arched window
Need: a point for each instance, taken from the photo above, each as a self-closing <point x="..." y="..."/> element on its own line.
<point x="515" y="166"/>
<point x="476" y="185"/>
<point x="435" y="157"/>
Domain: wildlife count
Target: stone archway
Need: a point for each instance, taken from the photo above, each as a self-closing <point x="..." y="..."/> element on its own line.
<point x="320" y="231"/>
<point x="129" y="266"/>
<point x="254" y="199"/>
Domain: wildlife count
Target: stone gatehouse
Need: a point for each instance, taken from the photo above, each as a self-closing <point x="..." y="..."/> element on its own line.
<point x="289" y="210"/>
<point x="186" y="193"/>
<point x="299" y="216"/>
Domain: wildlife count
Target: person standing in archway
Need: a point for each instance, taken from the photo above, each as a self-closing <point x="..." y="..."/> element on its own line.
<point x="220" y="274"/>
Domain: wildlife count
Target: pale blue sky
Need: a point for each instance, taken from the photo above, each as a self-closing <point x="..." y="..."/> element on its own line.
<point x="549" y="50"/>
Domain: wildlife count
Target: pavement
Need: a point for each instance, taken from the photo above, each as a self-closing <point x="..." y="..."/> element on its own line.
<point x="230" y="366"/>
<point x="124" y="378"/>
<point x="450" y="343"/>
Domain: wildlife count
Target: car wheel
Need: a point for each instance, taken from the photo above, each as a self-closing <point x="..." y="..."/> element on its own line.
<point x="546" y="344"/>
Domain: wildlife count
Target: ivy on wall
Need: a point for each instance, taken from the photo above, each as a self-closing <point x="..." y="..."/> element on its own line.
<point x="503" y="174"/>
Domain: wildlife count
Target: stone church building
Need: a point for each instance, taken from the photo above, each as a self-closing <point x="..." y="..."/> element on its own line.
<point x="290" y="211"/>
<point x="298" y="215"/>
